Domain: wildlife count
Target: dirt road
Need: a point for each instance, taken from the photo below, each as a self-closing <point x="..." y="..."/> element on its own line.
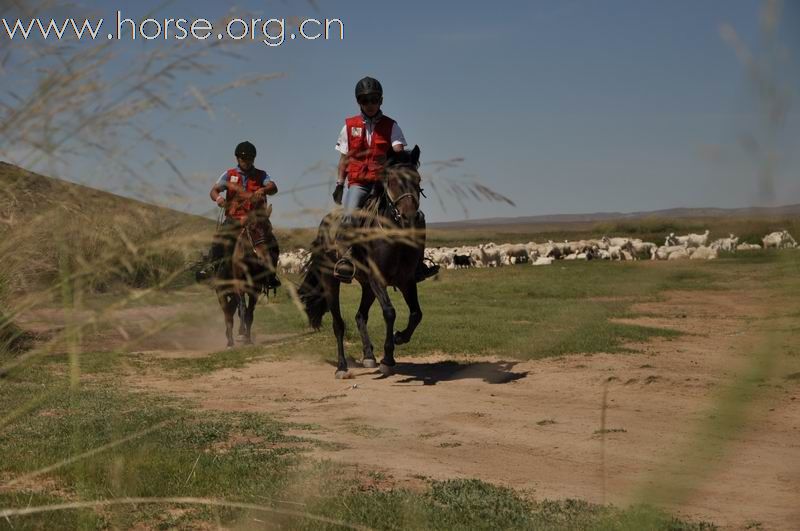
<point x="536" y="425"/>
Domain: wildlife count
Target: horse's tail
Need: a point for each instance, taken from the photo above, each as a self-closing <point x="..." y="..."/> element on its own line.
<point x="312" y="289"/>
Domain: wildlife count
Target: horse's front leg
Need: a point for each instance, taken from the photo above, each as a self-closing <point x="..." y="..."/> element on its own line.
<point x="249" y="313"/>
<point x="332" y="294"/>
<point x="240" y="312"/>
<point x="239" y="273"/>
<point x="367" y="298"/>
<point x="389" y="315"/>
<point x="228" y="302"/>
<point x="409" y="292"/>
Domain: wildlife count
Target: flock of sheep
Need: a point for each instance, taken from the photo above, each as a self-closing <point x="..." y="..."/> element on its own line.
<point x="690" y="246"/>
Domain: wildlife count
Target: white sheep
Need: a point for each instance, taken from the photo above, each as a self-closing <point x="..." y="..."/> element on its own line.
<point x="696" y="240"/>
<point x="663" y="252"/>
<point x="643" y="249"/>
<point x="542" y="260"/>
<point x="726" y="244"/>
<point x="490" y="254"/>
<point x="680" y="254"/>
<point x="515" y="253"/>
<point x="703" y="253"/>
<point x="779" y="240"/>
<point x="293" y="261"/>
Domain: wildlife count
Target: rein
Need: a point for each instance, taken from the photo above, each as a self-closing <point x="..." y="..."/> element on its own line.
<point x="246" y="231"/>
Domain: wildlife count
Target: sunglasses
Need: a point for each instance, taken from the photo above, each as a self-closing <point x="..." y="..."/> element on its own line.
<point x="369" y="100"/>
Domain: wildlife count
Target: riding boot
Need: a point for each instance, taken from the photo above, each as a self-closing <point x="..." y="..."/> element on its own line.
<point x="425" y="270"/>
<point x="344" y="270"/>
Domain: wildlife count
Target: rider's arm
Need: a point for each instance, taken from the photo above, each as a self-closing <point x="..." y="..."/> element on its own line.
<point x="341" y="173"/>
<point x="220" y="186"/>
<point x="270" y="188"/>
<point x="398" y="140"/>
<point x="342" y="148"/>
<point x="216" y="190"/>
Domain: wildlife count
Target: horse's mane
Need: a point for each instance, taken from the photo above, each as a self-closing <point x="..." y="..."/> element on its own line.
<point x="405" y="158"/>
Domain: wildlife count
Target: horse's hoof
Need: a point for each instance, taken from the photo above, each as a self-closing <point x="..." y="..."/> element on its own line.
<point x="386" y="370"/>
<point x="369" y="363"/>
<point x="343" y="375"/>
<point x="229" y="347"/>
<point x="399" y="339"/>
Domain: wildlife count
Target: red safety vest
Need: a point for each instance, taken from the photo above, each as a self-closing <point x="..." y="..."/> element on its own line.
<point x="237" y="206"/>
<point x="366" y="159"/>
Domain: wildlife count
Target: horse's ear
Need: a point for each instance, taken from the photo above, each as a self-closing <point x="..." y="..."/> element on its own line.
<point x="415" y="154"/>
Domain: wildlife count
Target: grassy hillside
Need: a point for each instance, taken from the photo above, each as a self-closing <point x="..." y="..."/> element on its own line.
<point x="52" y="230"/>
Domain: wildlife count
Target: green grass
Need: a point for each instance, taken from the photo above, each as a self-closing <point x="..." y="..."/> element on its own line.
<point x="518" y="312"/>
<point x="97" y="442"/>
<point x="13" y="339"/>
<point x="182" y="458"/>
<point x="472" y="504"/>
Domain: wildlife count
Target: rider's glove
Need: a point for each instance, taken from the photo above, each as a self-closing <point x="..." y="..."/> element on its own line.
<point x="338" y="193"/>
<point x="220" y="201"/>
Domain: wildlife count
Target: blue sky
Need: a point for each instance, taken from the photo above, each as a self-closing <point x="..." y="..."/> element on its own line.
<point x="565" y="106"/>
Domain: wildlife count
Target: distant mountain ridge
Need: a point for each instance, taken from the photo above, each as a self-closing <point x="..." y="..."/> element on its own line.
<point x="755" y="212"/>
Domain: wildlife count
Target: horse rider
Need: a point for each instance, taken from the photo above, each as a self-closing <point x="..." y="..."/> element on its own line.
<point x="363" y="143"/>
<point x="239" y="184"/>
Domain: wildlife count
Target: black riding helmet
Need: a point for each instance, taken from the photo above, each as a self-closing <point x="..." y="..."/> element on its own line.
<point x="368" y="85"/>
<point x="245" y="150"/>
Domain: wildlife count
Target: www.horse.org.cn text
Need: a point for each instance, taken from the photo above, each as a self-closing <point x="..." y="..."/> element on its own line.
<point x="269" y="31"/>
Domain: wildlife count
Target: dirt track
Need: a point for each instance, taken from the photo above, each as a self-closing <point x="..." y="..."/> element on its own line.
<point x="534" y="425"/>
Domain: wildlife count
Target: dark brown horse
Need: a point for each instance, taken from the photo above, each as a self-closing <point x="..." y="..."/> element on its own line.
<point x="246" y="269"/>
<point x="387" y="249"/>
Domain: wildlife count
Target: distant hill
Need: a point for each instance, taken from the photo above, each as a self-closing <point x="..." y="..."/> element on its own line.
<point x="27" y="193"/>
<point x="47" y="224"/>
<point x="672" y="213"/>
<point x="50" y="228"/>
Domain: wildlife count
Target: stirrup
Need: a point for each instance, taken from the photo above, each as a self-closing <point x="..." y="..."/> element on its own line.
<point x="201" y="275"/>
<point x="344" y="270"/>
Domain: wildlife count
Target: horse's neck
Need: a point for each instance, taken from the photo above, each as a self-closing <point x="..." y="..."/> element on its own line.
<point x="384" y="216"/>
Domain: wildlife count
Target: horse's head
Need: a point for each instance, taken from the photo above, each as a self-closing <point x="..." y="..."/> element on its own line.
<point x="402" y="184"/>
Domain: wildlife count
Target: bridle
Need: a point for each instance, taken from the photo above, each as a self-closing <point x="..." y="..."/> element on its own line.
<point x="393" y="201"/>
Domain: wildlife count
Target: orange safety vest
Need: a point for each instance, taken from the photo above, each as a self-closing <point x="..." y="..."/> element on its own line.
<point x="366" y="160"/>
<point x="237" y="205"/>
